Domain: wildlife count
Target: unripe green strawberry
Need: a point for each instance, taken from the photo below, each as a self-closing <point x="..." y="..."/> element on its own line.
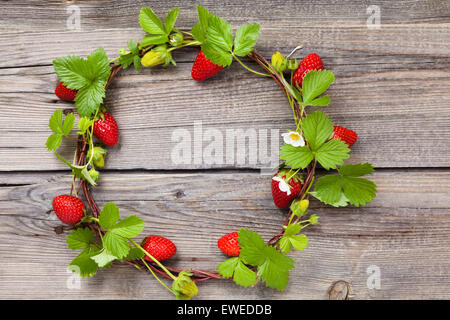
<point x="68" y="209"/>
<point x="159" y="247"/>
<point x="279" y="63"/>
<point x="229" y="244"/>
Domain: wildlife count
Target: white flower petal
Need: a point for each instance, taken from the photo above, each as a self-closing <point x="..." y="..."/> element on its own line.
<point x="293" y="138"/>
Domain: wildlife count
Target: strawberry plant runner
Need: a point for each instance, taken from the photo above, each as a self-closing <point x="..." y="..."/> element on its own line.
<point x="104" y="238"/>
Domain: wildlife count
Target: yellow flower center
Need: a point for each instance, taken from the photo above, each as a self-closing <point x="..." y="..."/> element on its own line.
<point x="294" y="136"/>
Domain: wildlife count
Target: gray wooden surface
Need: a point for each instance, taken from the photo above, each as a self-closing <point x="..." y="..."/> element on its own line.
<point x="392" y="87"/>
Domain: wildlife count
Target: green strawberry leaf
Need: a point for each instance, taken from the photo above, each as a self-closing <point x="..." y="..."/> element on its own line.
<point x="68" y="124"/>
<point x="358" y="191"/>
<point x="133" y="46"/>
<point x="57" y="125"/>
<point x="315" y="83"/>
<point x="134" y="254"/>
<point x="137" y="62"/>
<point x="219" y="41"/>
<point x="347" y="186"/>
<point x="291" y="239"/>
<point x="109" y="216"/>
<point x="285" y="245"/>
<point x="317" y="128"/>
<point x="104" y="258"/>
<point x="72" y="71"/>
<point x="320" y="102"/>
<point x="274" y="271"/>
<point x="80" y="238"/>
<point x="116" y="244"/>
<point x="150" y="22"/>
<point x="151" y="39"/>
<point x="245" y="39"/>
<point x="88" y="76"/>
<point x="197" y="33"/>
<point x="83" y="173"/>
<point x="56" y="121"/>
<point x="129" y="227"/>
<point x="342" y="202"/>
<point x="252" y="246"/>
<point x="226" y="268"/>
<point x="296" y="157"/>
<point x="299" y="241"/>
<point x="273" y="267"/>
<point x="356" y="170"/>
<point x="83" y="265"/>
<point x="332" y="154"/>
<point x="84" y="124"/>
<point x="199" y="30"/>
<point x="236" y="269"/>
<point x="292" y="229"/>
<point x="53" y="141"/>
<point x="89" y="98"/>
<point x="171" y="19"/>
<point x="243" y="276"/>
<point x="328" y="189"/>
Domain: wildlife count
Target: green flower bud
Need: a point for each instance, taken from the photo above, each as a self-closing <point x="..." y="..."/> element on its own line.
<point x="292" y="64"/>
<point x="184" y="287"/>
<point x="278" y="62"/>
<point x="176" y="38"/>
<point x="314" y="219"/>
<point x="304" y="204"/>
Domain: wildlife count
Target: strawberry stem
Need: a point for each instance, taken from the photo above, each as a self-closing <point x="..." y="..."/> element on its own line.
<point x="190" y="43"/>
<point x="249" y="69"/>
<point x="157" y="278"/>
<point x="153" y="258"/>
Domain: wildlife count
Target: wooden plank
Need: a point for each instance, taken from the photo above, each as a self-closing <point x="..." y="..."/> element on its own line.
<point x="384" y="79"/>
<point x="385" y="108"/>
<point x="405" y="236"/>
<point x="44" y="15"/>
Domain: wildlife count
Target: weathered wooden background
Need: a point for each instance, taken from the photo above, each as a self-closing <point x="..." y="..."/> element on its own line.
<point x="392" y="87"/>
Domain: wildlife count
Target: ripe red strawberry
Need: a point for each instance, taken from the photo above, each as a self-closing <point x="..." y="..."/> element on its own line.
<point x="65" y="93"/>
<point x="106" y="130"/>
<point x="344" y="134"/>
<point x="159" y="247"/>
<point x="68" y="209"/>
<point x="229" y="244"/>
<point x="280" y="188"/>
<point x="311" y="62"/>
<point x="203" y="68"/>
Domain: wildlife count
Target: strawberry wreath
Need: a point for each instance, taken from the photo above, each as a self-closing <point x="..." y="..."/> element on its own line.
<point x="105" y="239"/>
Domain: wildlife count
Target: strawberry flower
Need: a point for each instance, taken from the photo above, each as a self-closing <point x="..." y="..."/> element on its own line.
<point x="293" y="138"/>
<point x="282" y="185"/>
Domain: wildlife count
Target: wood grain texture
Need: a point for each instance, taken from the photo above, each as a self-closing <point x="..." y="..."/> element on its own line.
<point x="385" y="79"/>
<point x="385" y="108"/>
<point x="399" y="232"/>
<point x="44" y="15"/>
